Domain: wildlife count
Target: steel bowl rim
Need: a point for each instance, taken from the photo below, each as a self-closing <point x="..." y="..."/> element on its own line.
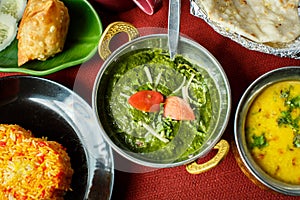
<point x="248" y="96"/>
<point x="182" y="39"/>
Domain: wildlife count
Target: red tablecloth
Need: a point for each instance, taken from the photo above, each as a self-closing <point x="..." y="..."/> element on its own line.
<point x="242" y="66"/>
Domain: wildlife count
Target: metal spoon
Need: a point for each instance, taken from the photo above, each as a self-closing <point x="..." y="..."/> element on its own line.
<point x="173" y="26"/>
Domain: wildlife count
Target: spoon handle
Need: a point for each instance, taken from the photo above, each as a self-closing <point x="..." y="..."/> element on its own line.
<point x="173" y="26"/>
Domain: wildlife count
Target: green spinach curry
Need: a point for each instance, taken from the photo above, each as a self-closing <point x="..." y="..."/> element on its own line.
<point x="152" y="134"/>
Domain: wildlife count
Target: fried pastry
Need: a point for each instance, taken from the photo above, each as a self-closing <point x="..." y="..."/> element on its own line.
<point x="43" y="30"/>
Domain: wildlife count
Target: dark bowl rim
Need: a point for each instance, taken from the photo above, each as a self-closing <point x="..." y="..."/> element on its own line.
<point x="89" y="153"/>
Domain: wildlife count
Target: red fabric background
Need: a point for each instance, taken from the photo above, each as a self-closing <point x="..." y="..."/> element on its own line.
<point x="241" y="65"/>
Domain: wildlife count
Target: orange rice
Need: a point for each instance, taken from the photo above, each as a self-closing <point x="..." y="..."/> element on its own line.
<point x="32" y="168"/>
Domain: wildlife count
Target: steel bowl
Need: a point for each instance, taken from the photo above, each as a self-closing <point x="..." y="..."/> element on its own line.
<point x="247" y="163"/>
<point x="210" y="68"/>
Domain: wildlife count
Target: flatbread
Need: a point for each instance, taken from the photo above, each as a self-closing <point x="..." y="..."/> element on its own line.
<point x="263" y="21"/>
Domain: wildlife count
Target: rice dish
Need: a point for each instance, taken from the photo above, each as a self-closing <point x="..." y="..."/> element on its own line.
<point x="32" y="168"/>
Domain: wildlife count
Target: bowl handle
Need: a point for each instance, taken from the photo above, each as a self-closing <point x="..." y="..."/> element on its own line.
<point x="112" y="30"/>
<point x="223" y="149"/>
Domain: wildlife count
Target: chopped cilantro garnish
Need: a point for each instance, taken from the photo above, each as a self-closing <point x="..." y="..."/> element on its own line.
<point x="295" y="102"/>
<point x="259" y="141"/>
<point x="296" y="141"/>
<point x="286" y="117"/>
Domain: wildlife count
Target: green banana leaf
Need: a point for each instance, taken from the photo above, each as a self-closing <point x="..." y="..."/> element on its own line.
<point x="81" y="44"/>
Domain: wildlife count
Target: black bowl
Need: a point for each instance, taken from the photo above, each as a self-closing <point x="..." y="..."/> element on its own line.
<point x="53" y="111"/>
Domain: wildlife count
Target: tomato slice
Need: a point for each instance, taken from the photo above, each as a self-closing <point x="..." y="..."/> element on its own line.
<point x="178" y="109"/>
<point x="2" y="144"/>
<point x="146" y="100"/>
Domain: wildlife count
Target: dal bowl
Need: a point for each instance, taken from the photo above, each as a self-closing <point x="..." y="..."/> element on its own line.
<point x="141" y="136"/>
<point x="51" y="110"/>
<point x="267" y="131"/>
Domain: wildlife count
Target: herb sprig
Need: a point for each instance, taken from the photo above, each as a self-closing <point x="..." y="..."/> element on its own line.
<point x="286" y="117"/>
<point x="259" y="141"/>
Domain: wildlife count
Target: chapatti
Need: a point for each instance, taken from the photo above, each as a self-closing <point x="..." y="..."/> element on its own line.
<point x="263" y="21"/>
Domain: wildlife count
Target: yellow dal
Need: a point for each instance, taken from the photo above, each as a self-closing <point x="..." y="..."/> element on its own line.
<point x="279" y="158"/>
